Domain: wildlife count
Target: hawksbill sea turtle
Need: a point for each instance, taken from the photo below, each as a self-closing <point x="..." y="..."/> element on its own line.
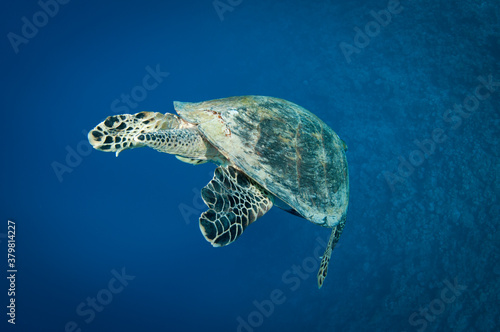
<point x="269" y="151"/>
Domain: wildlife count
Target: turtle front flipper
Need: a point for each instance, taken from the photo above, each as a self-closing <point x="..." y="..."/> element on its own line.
<point x="234" y="201"/>
<point x="334" y="238"/>
<point x="117" y="132"/>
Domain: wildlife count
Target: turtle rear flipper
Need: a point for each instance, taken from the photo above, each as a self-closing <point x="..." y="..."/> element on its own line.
<point x="234" y="201"/>
<point x="334" y="238"/>
<point x="117" y="132"/>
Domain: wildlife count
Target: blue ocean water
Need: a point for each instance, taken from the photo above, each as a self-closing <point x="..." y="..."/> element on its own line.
<point x="113" y="244"/>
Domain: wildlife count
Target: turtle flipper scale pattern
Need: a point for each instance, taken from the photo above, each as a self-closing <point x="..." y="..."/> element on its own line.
<point x="117" y="132"/>
<point x="334" y="238"/>
<point x="234" y="201"/>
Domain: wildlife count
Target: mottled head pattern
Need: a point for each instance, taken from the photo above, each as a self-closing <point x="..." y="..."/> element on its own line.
<point x="118" y="132"/>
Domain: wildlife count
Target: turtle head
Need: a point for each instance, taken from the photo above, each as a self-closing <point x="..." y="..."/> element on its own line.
<point x="119" y="132"/>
